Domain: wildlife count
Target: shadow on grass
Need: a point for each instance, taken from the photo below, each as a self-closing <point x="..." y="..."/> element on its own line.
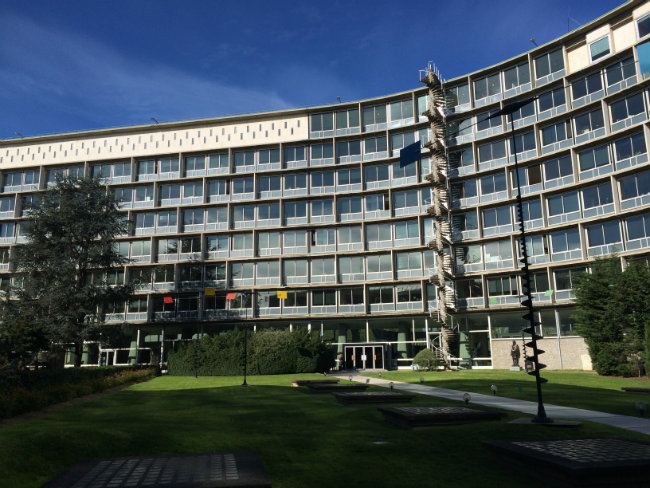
<point x="303" y="439"/>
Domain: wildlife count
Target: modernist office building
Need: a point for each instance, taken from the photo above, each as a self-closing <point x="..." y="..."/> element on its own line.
<point x="315" y="202"/>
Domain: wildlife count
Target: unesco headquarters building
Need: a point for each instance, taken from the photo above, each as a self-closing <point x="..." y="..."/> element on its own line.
<point x="378" y="256"/>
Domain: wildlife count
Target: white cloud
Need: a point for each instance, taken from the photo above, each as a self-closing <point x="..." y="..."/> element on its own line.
<point x="82" y="77"/>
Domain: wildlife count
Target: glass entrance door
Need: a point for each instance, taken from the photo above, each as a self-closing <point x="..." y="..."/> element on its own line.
<point x="364" y="357"/>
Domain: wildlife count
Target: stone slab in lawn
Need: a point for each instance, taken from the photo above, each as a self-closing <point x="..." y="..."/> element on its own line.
<point x="331" y="388"/>
<point x="211" y="470"/>
<point x="416" y="417"/>
<point x="314" y="380"/>
<point x="366" y="397"/>
<point x="579" y="462"/>
<point x="636" y="389"/>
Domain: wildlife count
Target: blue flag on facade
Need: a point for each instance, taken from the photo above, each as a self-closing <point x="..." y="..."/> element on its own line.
<point x="410" y="154"/>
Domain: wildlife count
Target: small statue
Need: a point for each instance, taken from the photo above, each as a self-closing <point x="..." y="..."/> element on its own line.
<point x="515" y="353"/>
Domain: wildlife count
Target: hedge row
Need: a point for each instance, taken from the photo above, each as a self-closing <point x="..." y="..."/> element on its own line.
<point x="268" y="352"/>
<point x="32" y="390"/>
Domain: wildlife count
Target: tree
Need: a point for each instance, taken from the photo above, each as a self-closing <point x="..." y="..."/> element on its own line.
<point x="613" y="315"/>
<point x="70" y="246"/>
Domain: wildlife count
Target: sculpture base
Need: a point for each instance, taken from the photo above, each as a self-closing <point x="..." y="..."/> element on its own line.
<point x="515" y="368"/>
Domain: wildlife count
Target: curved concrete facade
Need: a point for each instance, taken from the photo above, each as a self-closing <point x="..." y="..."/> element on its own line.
<point x="314" y="203"/>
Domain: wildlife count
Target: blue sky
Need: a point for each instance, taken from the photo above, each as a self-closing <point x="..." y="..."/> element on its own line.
<point x="79" y="65"/>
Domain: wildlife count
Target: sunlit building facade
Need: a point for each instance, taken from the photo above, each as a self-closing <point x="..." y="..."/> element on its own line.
<point x="226" y="212"/>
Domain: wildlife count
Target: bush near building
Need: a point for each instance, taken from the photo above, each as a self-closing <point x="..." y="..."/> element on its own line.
<point x="268" y="351"/>
<point x="26" y="391"/>
<point x="613" y="315"/>
<point x="426" y="359"/>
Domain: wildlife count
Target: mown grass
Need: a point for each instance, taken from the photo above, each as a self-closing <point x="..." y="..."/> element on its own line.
<point x="304" y="439"/>
<point x="580" y="389"/>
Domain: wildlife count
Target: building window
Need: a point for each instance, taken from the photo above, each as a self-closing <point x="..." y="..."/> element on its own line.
<point x="523" y="142"/>
<point x="493" y="183"/>
<point x="321" y="122"/>
<point x="627" y="107"/>
<point x="470" y="254"/>
<point x="297" y="298"/>
<point x="348" y="148"/>
<point x="295" y="270"/>
<point x="488" y="86"/>
<point x="347" y="118"/>
<point x="491" y="151"/>
<point x="531" y="210"/>
<point x="498" y="251"/>
<point x="408" y="261"/>
<point x="351" y="296"/>
<point x="375" y="145"/>
<point x="621" y="70"/>
<point x="242" y="185"/>
<point x="242" y="242"/>
<point x="194" y="163"/>
<point x="322" y="298"/>
<point x="374" y="115"/>
<point x="638" y="227"/>
<point x="349" y="235"/>
<point x="587" y="85"/>
<point x="409" y="293"/>
<point x="193" y="217"/>
<point x="220" y="243"/>
<point x="379" y="263"/>
<point x="268" y="211"/>
<point x="457" y="95"/>
<point x="604" y="233"/>
<point x="465" y="221"/>
<point x="462" y="159"/>
<point x="551" y="99"/>
<point x="322" y="179"/>
<point x="599" y="48"/>
<point x="593" y="158"/>
<point x="296" y="153"/>
<point x="351" y="268"/>
<point x="556" y="133"/>
<point x="295" y="181"/>
<point x="464" y="189"/>
<point x="463" y="127"/>
<point x="589" y="121"/>
<point x="635" y="185"/>
<point x="402" y="139"/>
<point x="484" y="121"/>
<point x="643" y="26"/>
<point x="564" y="278"/>
<point x="376" y="233"/>
<point x="323" y="237"/>
<point x="597" y="195"/>
<point x="472" y="288"/>
<point x="266" y="241"/>
<point x="407" y="229"/>
<point x="405" y="199"/>
<point x="242" y="271"/>
<point x="349" y="206"/>
<point x="535" y="246"/>
<point x="630" y="146"/>
<point x="268" y="184"/>
<point x="322" y="267"/>
<point x="528" y="176"/>
<point x="524" y="111"/>
<point x="322" y="207"/>
<point x="401" y="110"/>
<point x="294" y="239"/>
<point x="348" y="176"/>
<point x="268" y="156"/>
<point x="322" y="151"/>
<point x="557" y="168"/>
<point x="380" y="294"/>
<point x="563" y="203"/>
<point x="549" y="63"/>
<point x="218" y="161"/>
<point x="502" y="286"/>
<point x="516" y="76"/>
<point x="497" y="216"/>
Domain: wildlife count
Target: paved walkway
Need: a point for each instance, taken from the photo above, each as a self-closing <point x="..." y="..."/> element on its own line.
<point x="635" y="424"/>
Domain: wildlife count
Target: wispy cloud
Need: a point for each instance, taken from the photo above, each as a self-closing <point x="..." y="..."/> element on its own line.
<point x="81" y="77"/>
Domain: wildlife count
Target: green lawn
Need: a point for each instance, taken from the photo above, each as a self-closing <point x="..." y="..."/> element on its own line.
<point x="581" y="389"/>
<point x="303" y="439"/>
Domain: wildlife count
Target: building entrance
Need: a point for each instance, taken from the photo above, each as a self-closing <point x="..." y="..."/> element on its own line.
<point x="364" y="357"/>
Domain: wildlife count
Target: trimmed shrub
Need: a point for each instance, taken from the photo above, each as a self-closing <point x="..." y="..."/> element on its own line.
<point x="426" y="359"/>
<point x="269" y="352"/>
<point x="32" y="390"/>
